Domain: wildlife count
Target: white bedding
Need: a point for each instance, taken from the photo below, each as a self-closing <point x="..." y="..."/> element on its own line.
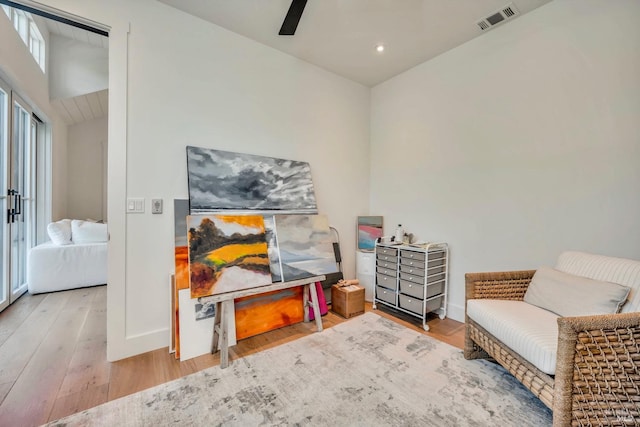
<point x="52" y="267"/>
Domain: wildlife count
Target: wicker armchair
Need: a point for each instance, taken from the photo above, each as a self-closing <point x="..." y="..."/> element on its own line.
<point x="597" y="380"/>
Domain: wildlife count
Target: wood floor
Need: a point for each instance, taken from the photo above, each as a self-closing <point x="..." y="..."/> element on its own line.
<point x="53" y="355"/>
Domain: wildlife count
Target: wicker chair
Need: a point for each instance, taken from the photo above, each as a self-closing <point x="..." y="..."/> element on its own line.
<point x="597" y="377"/>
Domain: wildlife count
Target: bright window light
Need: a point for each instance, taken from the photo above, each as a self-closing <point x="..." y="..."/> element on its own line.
<point x="28" y="30"/>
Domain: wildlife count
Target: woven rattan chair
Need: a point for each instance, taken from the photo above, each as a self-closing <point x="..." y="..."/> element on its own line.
<point x="597" y="380"/>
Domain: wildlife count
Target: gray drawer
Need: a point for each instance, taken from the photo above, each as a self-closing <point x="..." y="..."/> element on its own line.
<point x="412" y="262"/>
<point x="383" y="250"/>
<point x="412" y="278"/>
<point x="410" y="303"/>
<point x="435" y="278"/>
<point x="419" y="256"/>
<point x="386" y="281"/>
<point x="387" y="271"/>
<point x="387" y="265"/>
<point x="436" y="255"/>
<point x="386" y="258"/>
<point x="436" y="263"/>
<point x="386" y="295"/>
<point x="409" y="269"/>
<point x="435" y="270"/>
<point x="417" y="290"/>
<point x="415" y="304"/>
<point x="412" y="289"/>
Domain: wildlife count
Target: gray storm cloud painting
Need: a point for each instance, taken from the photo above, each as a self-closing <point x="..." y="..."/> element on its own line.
<point x="235" y="181"/>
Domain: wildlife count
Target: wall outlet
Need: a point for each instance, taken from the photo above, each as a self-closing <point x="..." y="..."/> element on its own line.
<point x="156" y="206"/>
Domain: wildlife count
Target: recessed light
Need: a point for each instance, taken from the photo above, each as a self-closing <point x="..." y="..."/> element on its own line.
<point x="380" y="48"/>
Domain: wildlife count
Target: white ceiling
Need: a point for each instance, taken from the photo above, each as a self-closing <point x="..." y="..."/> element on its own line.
<point x="341" y="35"/>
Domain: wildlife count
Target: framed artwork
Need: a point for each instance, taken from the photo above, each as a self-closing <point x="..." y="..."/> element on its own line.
<point x="226" y="253"/>
<point x="224" y="180"/>
<point x="369" y="229"/>
<point x="305" y="246"/>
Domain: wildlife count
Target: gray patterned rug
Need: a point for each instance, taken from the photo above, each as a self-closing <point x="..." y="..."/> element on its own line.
<point x="368" y="371"/>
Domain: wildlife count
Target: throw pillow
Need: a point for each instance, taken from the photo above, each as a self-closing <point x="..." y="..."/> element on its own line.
<point x="569" y="295"/>
<point x="60" y="232"/>
<point x="88" y="232"/>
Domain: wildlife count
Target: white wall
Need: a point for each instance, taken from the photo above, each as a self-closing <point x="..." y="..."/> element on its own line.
<point x="519" y="144"/>
<point x="175" y="80"/>
<point x="76" y="68"/>
<point x="86" y="169"/>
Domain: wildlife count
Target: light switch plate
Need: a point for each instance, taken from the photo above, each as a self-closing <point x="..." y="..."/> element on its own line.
<point x="156" y="206"/>
<point x="135" y="205"/>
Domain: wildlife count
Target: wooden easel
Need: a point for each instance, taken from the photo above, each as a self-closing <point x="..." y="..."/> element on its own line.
<point x="224" y="304"/>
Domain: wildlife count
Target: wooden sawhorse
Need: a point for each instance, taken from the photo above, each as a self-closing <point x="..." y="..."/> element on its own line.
<point x="224" y="305"/>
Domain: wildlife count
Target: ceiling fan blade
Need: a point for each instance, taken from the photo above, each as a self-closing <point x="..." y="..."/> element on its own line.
<point x="292" y="19"/>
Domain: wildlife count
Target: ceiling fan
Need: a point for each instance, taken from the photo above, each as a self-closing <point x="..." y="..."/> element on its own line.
<point x="292" y="19"/>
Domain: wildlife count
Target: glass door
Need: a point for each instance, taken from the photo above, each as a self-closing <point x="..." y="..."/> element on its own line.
<point x="18" y="132"/>
<point x="5" y="292"/>
<point x="20" y="195"/>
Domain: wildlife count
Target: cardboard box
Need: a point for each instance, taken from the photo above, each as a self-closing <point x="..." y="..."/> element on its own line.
<point x="347" y="301"/>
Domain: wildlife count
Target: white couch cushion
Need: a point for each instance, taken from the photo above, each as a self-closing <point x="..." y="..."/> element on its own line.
<point x="530" y="331"/>
<point x="570" y="295"/>
<point x="88" y="232"/>
<point x="616" y="270"/>
<point x="60" y="232"/>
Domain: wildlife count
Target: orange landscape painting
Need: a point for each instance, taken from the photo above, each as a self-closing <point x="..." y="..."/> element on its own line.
<point x="227" y="253"/>
<point x="182" y="267"/>
<point x="268" y="311"/>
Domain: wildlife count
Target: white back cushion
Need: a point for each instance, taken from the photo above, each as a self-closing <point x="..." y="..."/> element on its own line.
<point x="60" y="232"/>
<point x="599" y="267"/>
<point x="88" y="232"/>
<point x="572" y="295"/>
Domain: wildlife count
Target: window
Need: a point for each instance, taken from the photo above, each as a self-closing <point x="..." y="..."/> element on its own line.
<point x="29" y="33"/>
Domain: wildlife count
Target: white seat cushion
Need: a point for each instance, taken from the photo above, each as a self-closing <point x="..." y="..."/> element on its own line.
<point x="609" y="269"/>
<point x="529" y="331"/>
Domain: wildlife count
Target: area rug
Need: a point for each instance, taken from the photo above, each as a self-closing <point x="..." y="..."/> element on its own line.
<point x="368" y="371"/>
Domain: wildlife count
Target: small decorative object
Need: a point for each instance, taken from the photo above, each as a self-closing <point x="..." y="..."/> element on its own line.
<point x="347" y="298"/>
<point x="399" y="237"/>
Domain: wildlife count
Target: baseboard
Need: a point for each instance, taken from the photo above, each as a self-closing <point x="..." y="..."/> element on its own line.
<point x="134" y="345"/>
<point x="455" y="312"/>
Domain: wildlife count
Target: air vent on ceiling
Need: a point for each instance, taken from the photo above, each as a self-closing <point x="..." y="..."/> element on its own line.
<point x="499" y="16"/>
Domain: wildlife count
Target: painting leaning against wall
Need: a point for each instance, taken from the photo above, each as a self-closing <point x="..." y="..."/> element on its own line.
<point x="305" y="246"/>
<point x="224" y="180"/>
<point x="227" y="253"/>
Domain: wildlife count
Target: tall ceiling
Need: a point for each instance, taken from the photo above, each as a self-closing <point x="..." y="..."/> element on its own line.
<point x="341" y="35"/>
<point x="86" y="106"/>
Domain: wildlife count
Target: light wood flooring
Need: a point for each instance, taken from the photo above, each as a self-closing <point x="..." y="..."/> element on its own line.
<point x="53" y="355"/>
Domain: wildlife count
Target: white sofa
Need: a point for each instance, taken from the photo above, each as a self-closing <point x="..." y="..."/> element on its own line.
<point x="75" y="257"/>
<point x="560" y="333"/>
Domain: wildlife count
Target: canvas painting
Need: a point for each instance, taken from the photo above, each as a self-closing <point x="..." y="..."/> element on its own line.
<point x="369" y="230"/>
<point x="180" y="213"/>
<point x="195" y="336"/>
<point x="227" y="253"/>
<point x="305" y="246"/>
<point x="272" y="248"/>
<point x="235" y="181"/>
<point x="265" y="312"/>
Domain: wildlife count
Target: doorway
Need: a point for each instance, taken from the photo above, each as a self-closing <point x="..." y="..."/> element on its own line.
<point x="69" y="91"/>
